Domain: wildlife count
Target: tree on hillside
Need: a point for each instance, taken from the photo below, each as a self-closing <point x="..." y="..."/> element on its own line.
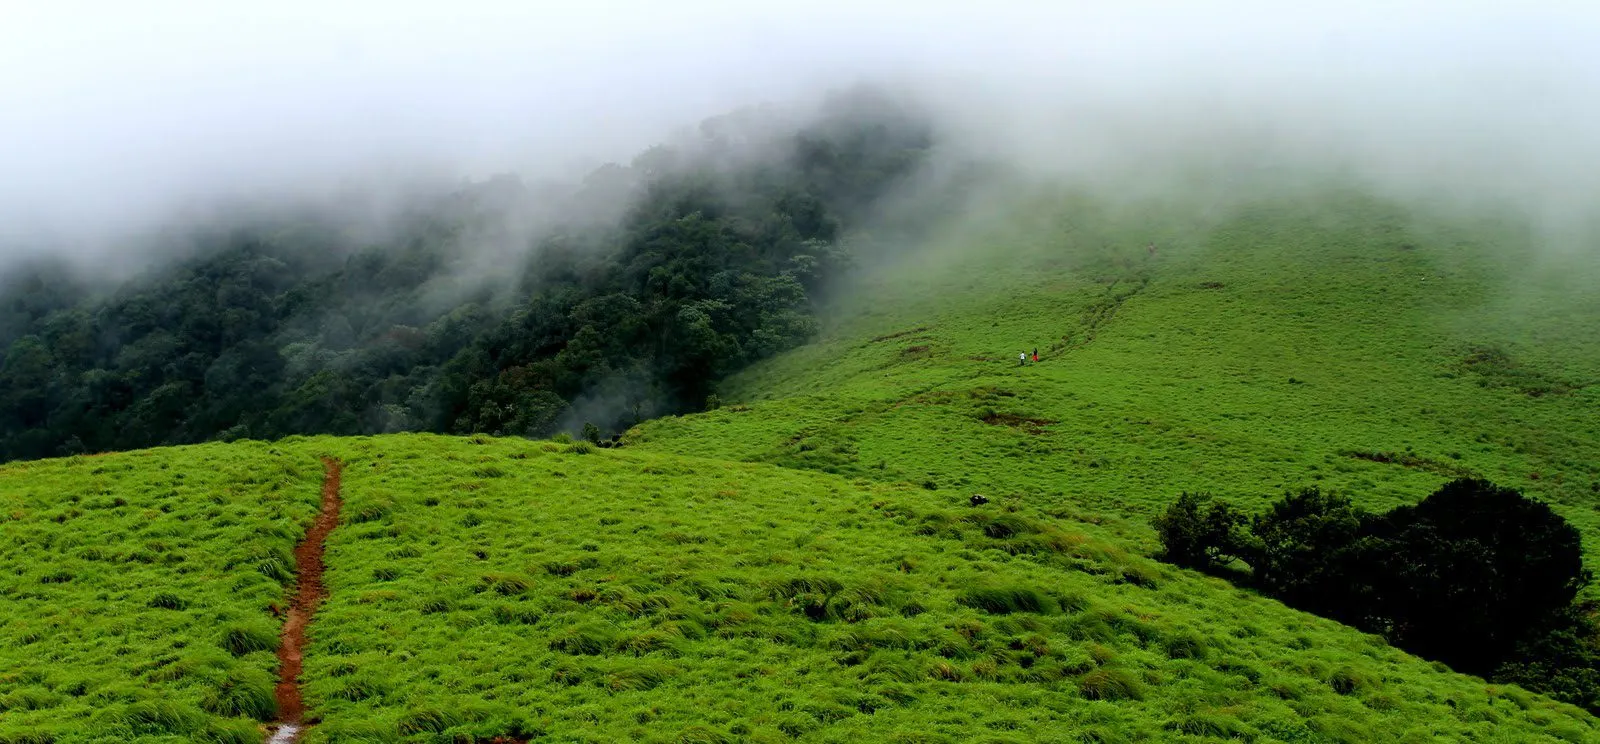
<point x="1563" y="662"/>
<point x="1200" y="532"/>
<point x="1475" y="575"/>
<point x="1472" y="568"/>
<point x="1308" y="551"/>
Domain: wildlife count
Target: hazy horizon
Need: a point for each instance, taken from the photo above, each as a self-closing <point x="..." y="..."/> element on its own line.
<point x="117" y="116"/>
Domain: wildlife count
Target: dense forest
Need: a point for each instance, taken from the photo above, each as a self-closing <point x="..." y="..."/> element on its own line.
<point x="1477" y="576"/>
<point x="492" y="307"/>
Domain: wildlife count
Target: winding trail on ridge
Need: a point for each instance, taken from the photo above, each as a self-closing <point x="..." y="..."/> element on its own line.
<point x="308" y="593"/>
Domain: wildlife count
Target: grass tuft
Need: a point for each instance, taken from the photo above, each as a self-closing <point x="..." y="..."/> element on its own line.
<point x="1004" y="600"/>
<point x="244" y="693"/>
<point x="168" y="601"/>
<point x="506" y="584"/>
<point x="248" y="638"/>
<point x="1110" y="684"/>
<point x="589" y="639"/>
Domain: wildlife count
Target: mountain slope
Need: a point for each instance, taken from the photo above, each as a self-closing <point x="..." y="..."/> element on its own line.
<point x="501" y="587"/>
<point x="804" y="564"/>
<point x="1342" y="342"/>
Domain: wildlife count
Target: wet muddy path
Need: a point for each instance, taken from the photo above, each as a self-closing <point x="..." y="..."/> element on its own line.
<point x="308" y="592"/>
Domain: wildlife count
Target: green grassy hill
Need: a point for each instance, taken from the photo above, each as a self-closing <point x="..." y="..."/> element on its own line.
<point x="802" y="564"/>
<point x="1346" y="344"/>
<point x="141" y="594"/>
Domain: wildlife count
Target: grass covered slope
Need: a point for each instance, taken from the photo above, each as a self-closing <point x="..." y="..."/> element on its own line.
<point x="484" y="588"/>
<point x="1340" y="342"/>
<point x="138" y="593"/>
<point x="803" y="564"/>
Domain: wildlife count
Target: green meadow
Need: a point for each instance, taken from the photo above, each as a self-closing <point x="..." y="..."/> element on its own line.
<point x="141" y="591"/>
<point x="803" y="564"/>
<point x="1342" y="342"/>
<point x="547" y="591"/>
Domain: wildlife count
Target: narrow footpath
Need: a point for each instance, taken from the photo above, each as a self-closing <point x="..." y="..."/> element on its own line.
<point x="308" y="593"/>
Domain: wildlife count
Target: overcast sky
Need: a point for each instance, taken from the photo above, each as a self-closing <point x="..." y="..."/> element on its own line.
<point x="111" y="111"/>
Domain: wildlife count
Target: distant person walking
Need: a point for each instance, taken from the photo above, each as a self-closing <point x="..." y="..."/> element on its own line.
<point x="1151" y="249"/>
<point x="1022" y="359"/>
<point x="1035" y="355"/>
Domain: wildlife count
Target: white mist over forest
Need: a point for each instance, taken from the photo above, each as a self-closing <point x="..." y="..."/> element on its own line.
<point x="116" y="116"/>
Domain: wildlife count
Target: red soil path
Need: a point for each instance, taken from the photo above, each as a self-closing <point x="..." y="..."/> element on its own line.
<point x="308" y="592"/>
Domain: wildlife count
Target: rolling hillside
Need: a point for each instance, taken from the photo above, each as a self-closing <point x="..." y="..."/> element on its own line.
<point x="1343" y="343"/>
<point x="803" y="563"/>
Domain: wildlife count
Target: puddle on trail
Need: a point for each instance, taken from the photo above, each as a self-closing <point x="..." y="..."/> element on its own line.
<point x="284" y="735"/>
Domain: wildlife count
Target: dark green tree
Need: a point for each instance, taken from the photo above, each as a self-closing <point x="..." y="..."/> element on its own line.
<point x="1305" y="551"/>
<point x="1475" y="575"/>
<point x="1473" y="569"/>
<point x="1200" y="532"/>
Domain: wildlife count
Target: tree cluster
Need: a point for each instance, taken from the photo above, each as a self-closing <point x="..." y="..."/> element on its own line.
<point x="642" y="287"/>
<point x="1477" y="576"/>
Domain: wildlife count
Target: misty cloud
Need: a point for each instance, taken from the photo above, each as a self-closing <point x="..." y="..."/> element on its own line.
<point x="114" y="116"/>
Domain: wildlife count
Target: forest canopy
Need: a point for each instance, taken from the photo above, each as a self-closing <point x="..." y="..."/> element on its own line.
<point x="495" y="307"/>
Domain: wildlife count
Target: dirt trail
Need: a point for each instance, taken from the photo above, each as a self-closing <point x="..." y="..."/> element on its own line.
<point x="308" y="592"/>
